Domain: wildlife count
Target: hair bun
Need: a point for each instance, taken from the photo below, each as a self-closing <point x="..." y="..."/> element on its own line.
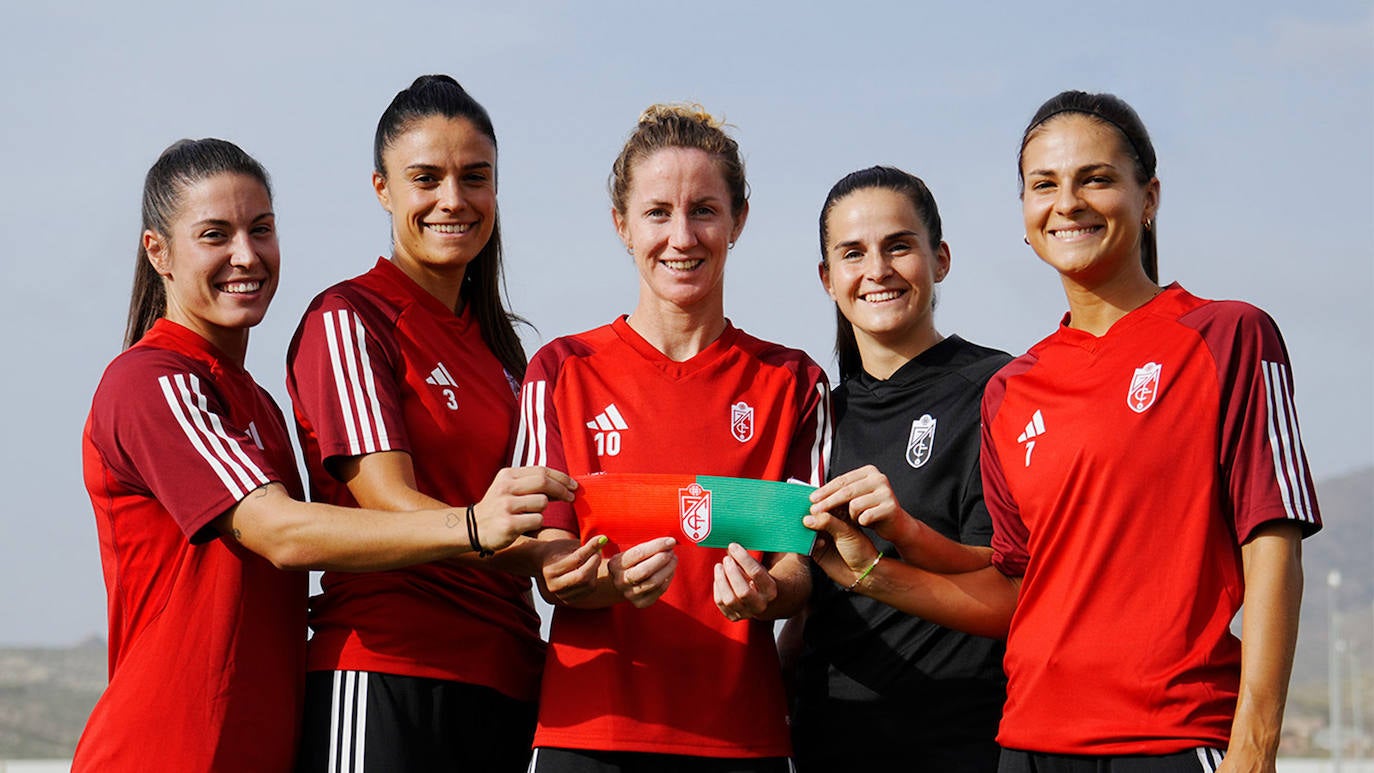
<point x="665" y="111"/>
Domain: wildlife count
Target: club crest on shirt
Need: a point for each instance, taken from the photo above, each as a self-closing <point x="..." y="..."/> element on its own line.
<point x="1144" y="387"/>
<point x="694" y="508"/>
<point x="922" y="440"/>
<point x="742" y="421"/>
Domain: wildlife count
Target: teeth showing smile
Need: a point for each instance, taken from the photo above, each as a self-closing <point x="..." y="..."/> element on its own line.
<point x="885" y="295"/>
<point x="1074" y="233"/>
<point x="450" y="228"/>
<point x="241" y="287"/>
<point x="683" y="265"/>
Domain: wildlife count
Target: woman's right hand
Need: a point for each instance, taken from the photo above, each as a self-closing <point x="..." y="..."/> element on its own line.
<point x="514" y="502"/>
<point x="642" y="573"/>
<point x="867" y="497"/>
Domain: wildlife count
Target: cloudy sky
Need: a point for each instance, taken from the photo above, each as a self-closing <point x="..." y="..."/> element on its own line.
<point x="1261" y="112"/>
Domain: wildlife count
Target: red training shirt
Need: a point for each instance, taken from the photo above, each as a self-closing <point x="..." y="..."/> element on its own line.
<point x="379" y="364"/>
<point x="675" y="677"/>
<point x="207" y="639"/>
<point x="1123" y="473"/>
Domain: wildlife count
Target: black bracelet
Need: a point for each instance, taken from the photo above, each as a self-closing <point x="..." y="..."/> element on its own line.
<point x="472" y="534"/>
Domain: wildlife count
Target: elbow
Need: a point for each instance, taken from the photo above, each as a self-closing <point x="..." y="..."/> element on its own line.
<point x="286" y="544"/>
<point x="292" y="558"/>
<point x="289" y="554"/>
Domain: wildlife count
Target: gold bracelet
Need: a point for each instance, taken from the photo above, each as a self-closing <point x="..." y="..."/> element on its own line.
<point x="861" y="577"/>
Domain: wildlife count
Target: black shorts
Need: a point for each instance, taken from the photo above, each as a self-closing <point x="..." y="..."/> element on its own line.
<point x="551" y="760"/>
<point x="1202" y="759"/>
<point x="361" y="722"/>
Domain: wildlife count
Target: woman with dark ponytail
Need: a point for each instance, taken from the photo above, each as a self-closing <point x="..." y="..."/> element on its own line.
<point x="1146" y="478"/>
<point x="403" y="382"/>
<point x="197" y="502"/>
<point x="921" y="696"/>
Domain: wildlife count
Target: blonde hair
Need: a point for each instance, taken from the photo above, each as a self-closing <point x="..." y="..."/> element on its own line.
<point x="678" y="125"/>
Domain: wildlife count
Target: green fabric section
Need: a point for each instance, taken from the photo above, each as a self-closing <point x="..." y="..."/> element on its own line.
<point x="758" y="514"/>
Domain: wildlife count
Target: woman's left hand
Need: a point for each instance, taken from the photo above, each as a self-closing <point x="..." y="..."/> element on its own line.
<point x="842" y="551"/>
<point x="743" y="588"/>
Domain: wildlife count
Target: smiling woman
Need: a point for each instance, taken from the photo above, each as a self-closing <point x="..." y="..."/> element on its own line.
<point x="403" y="382"/>
<point x="1149" y="443"/>
<point x="905" y="460"/>
<point x="663" y="659"/>
<point x="189" y="467"/>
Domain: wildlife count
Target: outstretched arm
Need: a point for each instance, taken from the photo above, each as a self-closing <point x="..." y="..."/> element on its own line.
<point x="1269" y="631"/>
<point x="306" y="535"/>
<point x="385" y="480"/>
<point x="979" y="602"/>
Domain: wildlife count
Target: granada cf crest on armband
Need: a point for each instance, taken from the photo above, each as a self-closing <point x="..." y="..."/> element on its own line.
<point x="694" y="509"/>
<point x="922" y="440"/>
<point x="742" y="421"/>
<point x="1144" y="387"/>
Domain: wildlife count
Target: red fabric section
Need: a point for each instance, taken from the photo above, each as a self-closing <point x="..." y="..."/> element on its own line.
<point x="1121" y="521"/>
<point x="676" y="677"/>
<point x="428" y="385"/>
<point x="207" y="640"/>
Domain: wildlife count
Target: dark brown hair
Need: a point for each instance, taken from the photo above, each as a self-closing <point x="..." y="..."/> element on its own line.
<point x="891" y="179"/>
<point x="1109" y="110"/>
<point x="183" y="164"/>
<point x="484" y="280"/>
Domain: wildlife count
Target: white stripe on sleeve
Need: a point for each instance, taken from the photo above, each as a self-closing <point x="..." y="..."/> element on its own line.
<point x="820" y="446"/>
<point x="181" y="411"/>
<point x="383" y="441"/>
<point x="206" y="432"/>
<point x="346" y="409"/>
<point x="530" y="442"/>
<point x="1286" y="443"/>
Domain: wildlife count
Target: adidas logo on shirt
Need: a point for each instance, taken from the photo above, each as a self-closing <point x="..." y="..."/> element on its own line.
<point x="1034" y="428"/>
<point x="608" y="425"/>
<point x="440" y="377"/>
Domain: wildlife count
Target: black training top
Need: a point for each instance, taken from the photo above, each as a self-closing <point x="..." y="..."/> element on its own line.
<point x="916" y="685"/>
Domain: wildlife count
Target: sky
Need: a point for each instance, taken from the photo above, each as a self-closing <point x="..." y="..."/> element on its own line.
<point x="1261" y="113"/>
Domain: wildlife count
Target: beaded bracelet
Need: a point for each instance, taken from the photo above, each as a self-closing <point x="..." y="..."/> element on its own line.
<point x="861" y="577"/>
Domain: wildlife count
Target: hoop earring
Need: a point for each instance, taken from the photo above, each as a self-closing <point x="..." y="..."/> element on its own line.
<point x="1026" y="239"/>
<point x="1149" y="223"/>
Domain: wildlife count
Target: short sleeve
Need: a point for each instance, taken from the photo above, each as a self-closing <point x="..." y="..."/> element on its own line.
<point x="1264" y="466"/>
<point x="1010" y="538"/>
<point x="342" y="378"/>
<point x="164" y="428"/>
<point x="809" y="451"/>
<point x="538" y="437"/>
